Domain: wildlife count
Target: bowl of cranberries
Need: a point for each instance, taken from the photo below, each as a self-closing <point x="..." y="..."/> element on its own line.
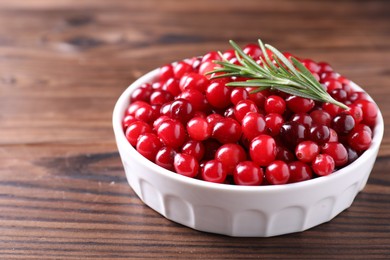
<point x="244" y="161"/>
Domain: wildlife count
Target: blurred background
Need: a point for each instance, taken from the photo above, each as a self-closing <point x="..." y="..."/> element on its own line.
<point x="64" y="63"/>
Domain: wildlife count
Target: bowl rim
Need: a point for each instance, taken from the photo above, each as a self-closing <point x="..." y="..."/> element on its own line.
<point x="123" y="101"/>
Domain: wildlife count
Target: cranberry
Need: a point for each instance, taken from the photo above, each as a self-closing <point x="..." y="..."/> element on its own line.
<point x="243" y="107"/>
<point x="253" y="50"/>
<point x="274" y="123"/>
<point x="212" y="119"/>
<point x="238" y="94"/>
<point x="293" y="133"/>
<point x="227" y="130"/>
<point x="159" y="97"/>
<point x="159" y="120"/>
<point x="299" y="171"/>
<point x="206" y="67"/>
<point x="302" y="118"/>
<point x="259" y="97"/>
<point x="194" y="148"/>
<point x="339" y="94"/>
<point x="325" y="67"/>
<point x="172" y="86"/>
<point x="321" y="117"/>
<point x="275" y="104"/>
<point x="166" y="72"/>
<point x="284" y="154"/>
<point x="357" y="113"/>
<point x="338" y="153"/>
<point x="262" y="150"/>
<point x="211" y="56"/>
<point x="332" y="109"/>
<point x="229" y="54"/>
<point x="199" y="129"/>
<point x="142" y="93"/>
<point x="343" y="123"/>
<point x="359" y="139"/>
<point x="128" y="120"/>
<point x="218" y="95"/>
<point x="172" y="133"/>
<point x="253" y="124"/>
<point x="352" y="154"/>
<point x="181" y="68"/>
<point x="194" y="81"/>
<point x="181" y="110"/>
<point x="146" y="113"/>
<point x="135" y="129"/>
<point x="186" y="165"/>
<point x="299" y="104"/>
<point x="248" y="173"/>
<point x="214" y="171"/>
<point x="320" y="134"/>
<point x="370" y="111"/>
<point x="332" y="84"/>
<point x="306" y="151"/>
<point x="333" y="136"/>
<point x="165" y="158"/>
<point x="148" y="145"/>
<point x="196" y="98"/>
<point x="323" y="164"/>
<point x="277" y="173"/>
<point x="133" y="107"/>
<point x="230" y="155"/>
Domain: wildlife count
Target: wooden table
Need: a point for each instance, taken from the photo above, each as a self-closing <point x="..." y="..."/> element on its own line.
<point x="63" y="64"/>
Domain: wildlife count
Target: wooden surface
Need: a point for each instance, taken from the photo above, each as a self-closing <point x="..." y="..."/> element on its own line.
<point x="63" y="64"/>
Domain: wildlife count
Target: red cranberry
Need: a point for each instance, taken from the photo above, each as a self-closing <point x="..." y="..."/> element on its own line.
<point x="252" y="50"/>
<point x="243" y="107"/>
<point x="214" y="171"/>
<point x="339" y="94"/>
<point x="142" y="93"/>
<point x="181" y="110"/>
<point x="299" y="171"/>
<point x="320" y="134"/>
<point x="128" y="120"/>
<point x="172" y="86"/>
<point x="166" y="72"/>
<point x="333" y="136"/>
<point x="165" y="158"/>
<point x="148" y="145"/>
<point x="227" y="130"/>
<point x="196" y="98"/>
<point x="306" y="151"/>
<point x="248" y="173"/>
<point x="253" y="124"/>
<point x="275" y="104"/>
<point x="359" y="139"/>
<point x="238" y="94"/>
<point x="370" y="111"/>
<point x="343" y="123"/>
<point x="338" y="153"/>
<point x="186" y="165"/>
<point x="293" y="133"/>
<point x="194" y="148"/>
<point x="181" y="68"/>
<point x="218" y="95"/>
<point x="302" y="118"/>
<point x="259" y="97"/>
<point x="135" y="129"/>
<point x="262" y="150"/>
<point x="193" y="81"/>
<point x="323" y="164"/>
<point x="332" y="84"/>
<point x="299" y="104"/>
<point x="357" y="113"/>
<point x="211" y="56"/>
<point x="159" y="97"/>
<point x="274" y="123"/>
<point x="172" y="133"/>
<point x="199" y="129"/>
<point x="230" y="155"/>
<point x="321" y="117"/>
<point x="277" y="173"/>
<point x="284" y="154"/>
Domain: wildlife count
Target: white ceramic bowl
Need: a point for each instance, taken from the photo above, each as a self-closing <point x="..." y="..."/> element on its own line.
<point x="241" y="210"/>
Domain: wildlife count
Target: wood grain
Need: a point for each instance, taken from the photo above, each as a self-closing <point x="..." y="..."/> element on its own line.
<point x="63" y="64"/>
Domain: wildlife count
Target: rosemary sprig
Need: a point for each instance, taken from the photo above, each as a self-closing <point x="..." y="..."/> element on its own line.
<point x="289" y="77"/>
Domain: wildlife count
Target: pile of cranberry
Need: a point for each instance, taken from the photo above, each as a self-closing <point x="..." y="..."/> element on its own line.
<point x="198" y="127"/>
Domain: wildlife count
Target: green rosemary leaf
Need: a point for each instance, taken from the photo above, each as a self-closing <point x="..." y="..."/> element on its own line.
<point x="289" y="77"/>
<point x="283" y="59"/>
